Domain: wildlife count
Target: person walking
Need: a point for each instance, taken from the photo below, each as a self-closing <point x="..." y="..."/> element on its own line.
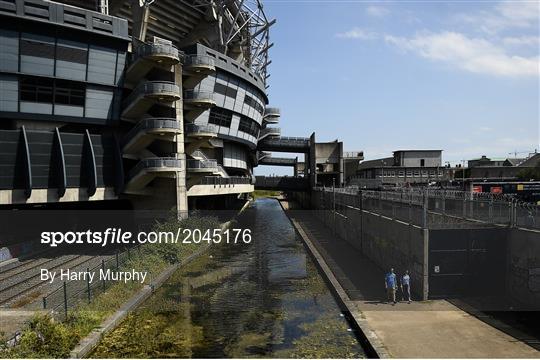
<point x="390" y="284"/>
<point x="406" y="286"/>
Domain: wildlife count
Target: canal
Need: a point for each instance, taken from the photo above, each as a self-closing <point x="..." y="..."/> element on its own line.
<point x="263" y="299"/>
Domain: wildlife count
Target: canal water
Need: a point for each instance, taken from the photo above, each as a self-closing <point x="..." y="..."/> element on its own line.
<point x="263" y="299"/>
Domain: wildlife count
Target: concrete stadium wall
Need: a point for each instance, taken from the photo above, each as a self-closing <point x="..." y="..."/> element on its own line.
<point x="523" y="271"/>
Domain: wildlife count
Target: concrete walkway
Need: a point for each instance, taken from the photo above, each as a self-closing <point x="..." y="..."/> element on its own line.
<point x="431" y="329"/>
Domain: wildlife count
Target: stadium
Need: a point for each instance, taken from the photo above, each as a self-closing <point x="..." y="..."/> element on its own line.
<point x="147" y="104"/>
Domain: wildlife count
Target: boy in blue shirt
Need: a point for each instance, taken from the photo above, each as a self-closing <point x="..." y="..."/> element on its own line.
<point x="390" y="284"/>
<point x="406" y="286"/>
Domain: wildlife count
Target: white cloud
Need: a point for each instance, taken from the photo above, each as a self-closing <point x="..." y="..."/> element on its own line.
<point x="377" y="11"/>
<point x="522" y="41"/>
<point x="357" y="33"/>
<point x="505" y="15"/>
<point x="472" y="54"/>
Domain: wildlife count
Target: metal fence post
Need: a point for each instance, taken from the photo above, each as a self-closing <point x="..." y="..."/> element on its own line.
<point x="490" y="211"/>
<point x="334" y="204"/>
<point x="464" y="204"/>
<point x="44" y="302"/>
<point x="410" y="207"/>
<point x="103" y="268"/>
<point x="425" y="209"/>
<point x="65" y="300"/>
<point x="88" y="287"/>
<point x="443" y="202"/>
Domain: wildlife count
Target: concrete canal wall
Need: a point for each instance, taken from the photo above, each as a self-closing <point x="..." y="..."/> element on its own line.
<point x="388" y="242"/>
<point x="523" y="271"/>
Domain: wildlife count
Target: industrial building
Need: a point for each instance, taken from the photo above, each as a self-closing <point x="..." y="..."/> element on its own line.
<point x="157" y="104"/>
<point x="405" y="167"/>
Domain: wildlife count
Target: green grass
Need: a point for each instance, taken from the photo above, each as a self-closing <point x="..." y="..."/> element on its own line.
<point x="259" y="194"/>
<point x="43" y="337"/>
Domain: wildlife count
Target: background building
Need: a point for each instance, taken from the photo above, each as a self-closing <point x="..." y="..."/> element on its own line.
<point x="406" y="167"/>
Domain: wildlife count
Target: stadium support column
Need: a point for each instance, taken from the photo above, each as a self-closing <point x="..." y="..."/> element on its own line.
<point x="312" y="162"/>
<point x="181" y="189"/>
<point x="140" y="20"/>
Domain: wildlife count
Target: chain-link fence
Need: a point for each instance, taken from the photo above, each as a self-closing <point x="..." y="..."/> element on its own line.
<point x="435" y="208"/>
<point x="73" y="292"/>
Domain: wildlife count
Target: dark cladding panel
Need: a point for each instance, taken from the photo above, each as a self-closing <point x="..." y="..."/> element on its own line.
<point x="99" y="103"/>
<point x="11" y="160"/>
<point x="9" y="51"/>
<point x="104" y="153"/>
<point x="9" y="92"/>
<point x="73" y="152"/>
<point x="37" y="54"/>
<point x="101" y="65"/>
<point x="71" y="59"/>
<point x="40" y="145"/>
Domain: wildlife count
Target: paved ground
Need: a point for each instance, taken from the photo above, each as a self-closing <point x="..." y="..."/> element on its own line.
<point x="432" y="329"/>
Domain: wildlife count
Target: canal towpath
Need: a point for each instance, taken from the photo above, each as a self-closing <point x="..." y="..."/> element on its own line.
<point x="422" y="329"/>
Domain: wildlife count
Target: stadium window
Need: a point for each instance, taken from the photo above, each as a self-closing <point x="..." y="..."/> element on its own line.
<point x="69" y="93"/>
<point x="220" y="117"/>
<point x="36" y="89"/>
<point x="220" y="89"/>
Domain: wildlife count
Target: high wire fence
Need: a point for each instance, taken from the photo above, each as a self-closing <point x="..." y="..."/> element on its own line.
<point x="436" y="208"/>
<point x="71" y="293"/>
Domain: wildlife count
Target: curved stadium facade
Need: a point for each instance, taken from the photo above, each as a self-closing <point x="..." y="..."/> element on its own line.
<point x="158" y="103"/>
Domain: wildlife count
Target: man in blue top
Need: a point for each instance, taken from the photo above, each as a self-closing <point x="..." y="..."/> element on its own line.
<point x="391" y="285"/>
<point x="406" y="286"/>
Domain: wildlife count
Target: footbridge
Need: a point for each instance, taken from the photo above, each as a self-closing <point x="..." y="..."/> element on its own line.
<point x="285" y="144"/>
<point x="284" y="183"/>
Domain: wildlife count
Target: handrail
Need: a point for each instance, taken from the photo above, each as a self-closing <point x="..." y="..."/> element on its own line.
<point x="152" y="87"/>
<point x="194" y="60"/>
<point x="160" y="162"/>
<point x="198" y="95"/>
<point x="152" y="123"/>
<point x="147" y="49"/>
<point x="195" y="128"/>
<point x="270" y="131"/>
<point x="218" y="180"/>
<point x="202" y="164"/>
<point x="272" y="111"/>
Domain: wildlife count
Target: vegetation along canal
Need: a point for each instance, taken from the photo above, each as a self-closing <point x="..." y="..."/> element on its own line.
<point x="265" y="298"/>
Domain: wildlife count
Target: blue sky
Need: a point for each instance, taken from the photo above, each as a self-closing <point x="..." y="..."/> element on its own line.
<point x="381" y="76"/>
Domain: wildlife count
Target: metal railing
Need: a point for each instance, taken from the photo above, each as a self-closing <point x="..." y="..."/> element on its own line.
<point x="146" y="49"/>
<point x="191" y="128"/>
<point x="272" y="111"/>
<point x="353" y="154"/>
<point x="270" y="131"/>
<point x="199" y="60"/>
<point x="73" y="292"/>
<point x="153" y="88"/>
<point x="154" y="163"/>
<point x="270" y="160"/>
<point x="152" y="123"/>
<point x="440" y="208"/>
<point x="193" y="164"/>
<point x="218" y="180"/>
<point x="286" y="142"/>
